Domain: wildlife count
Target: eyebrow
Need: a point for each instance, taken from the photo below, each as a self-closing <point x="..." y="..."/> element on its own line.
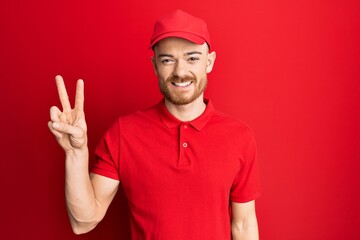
<point x="193" y="52"/>
<point x="186" y="54"/>
<point x="164" y="55"/>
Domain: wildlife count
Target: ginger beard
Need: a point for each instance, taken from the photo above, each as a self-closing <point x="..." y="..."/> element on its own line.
<point x="178" y="96"/>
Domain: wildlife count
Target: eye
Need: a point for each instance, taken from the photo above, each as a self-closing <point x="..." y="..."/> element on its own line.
<point x="167" y="60"/>
<point x="193" y="59"/>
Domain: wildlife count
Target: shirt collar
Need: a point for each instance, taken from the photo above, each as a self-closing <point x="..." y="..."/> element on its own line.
<point x="198" y="123"/>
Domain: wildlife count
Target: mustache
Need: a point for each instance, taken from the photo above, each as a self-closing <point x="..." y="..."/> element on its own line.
<point x="181" y="79"/>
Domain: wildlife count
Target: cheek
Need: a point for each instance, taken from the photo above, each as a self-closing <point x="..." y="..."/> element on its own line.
<point x="200" y="70"/>
<point x="164" y="72"/>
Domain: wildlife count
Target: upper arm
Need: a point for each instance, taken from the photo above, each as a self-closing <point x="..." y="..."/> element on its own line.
<point x="242" y="211"/>
<point x="244" y="222"/>
<point x="104" y="189"/>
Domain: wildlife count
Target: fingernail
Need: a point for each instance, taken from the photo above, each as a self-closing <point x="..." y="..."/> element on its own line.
<point x="56" y="125"/>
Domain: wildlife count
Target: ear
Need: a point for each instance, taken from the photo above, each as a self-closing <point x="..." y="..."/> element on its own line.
<point x="154" y="65"/>
<point x="210" y="61"/>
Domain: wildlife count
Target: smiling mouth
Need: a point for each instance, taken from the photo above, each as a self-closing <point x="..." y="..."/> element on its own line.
<point x="181" y="84"/>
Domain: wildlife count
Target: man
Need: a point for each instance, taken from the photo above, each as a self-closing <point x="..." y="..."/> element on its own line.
<point x="188" y="171"/>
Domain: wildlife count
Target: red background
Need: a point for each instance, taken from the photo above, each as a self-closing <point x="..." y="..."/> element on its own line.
<point x="290" y="69"/>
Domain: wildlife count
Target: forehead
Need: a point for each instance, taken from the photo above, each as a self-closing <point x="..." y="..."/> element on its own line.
<point x="174" y="45"/>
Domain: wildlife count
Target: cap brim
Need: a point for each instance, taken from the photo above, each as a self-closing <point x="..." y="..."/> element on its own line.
<point x="185" y="35"/>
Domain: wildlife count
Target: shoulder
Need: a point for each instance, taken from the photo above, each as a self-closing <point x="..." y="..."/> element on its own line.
<point x="132" y="123"/>
<point x="225" y="121"/>
<point x="139" y="117"/>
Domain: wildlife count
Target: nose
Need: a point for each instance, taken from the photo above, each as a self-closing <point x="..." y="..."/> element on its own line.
<point x="180" y="69"/>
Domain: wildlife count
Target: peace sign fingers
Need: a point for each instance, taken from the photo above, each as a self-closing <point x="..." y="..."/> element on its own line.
<point x="64" y="98"/>
<point x="69" y="125"/>
<point x="79" y="97"/>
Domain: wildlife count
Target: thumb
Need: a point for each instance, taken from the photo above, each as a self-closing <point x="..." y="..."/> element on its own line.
<point x="66" y="128"/>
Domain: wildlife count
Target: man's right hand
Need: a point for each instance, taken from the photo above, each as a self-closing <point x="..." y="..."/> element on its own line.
<point x="69" y="125"/>
<point x="87" y="197"/>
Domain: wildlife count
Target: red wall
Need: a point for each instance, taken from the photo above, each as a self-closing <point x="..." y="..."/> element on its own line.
<point x="290" y="69"/>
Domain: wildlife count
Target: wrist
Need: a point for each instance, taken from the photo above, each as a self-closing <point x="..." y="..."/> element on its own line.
<point x="77" y="153"/>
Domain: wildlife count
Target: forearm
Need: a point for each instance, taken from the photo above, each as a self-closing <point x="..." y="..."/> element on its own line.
<point x="69" y="127"/>
<point x="80" y="197"/>
<point x="245" y="230"/>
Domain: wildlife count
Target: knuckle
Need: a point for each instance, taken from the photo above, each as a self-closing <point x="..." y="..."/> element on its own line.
<point x="53" y="118"/>
<point x="54" y="113"/>
<point x="53" y="109"/>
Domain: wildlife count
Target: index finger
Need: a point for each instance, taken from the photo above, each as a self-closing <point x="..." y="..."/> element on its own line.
<point x="79" y="96"/>
<point x="64" y="98"/>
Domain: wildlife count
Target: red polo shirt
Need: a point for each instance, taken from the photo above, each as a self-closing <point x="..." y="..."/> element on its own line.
<point x="179" y="177"/>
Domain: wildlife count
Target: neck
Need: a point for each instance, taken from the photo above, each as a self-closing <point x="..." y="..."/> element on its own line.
<point x="187" y="112"/>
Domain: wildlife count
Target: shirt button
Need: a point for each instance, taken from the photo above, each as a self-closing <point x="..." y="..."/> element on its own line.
<point x="185" y="145"/>
<point x="185" y="126"/>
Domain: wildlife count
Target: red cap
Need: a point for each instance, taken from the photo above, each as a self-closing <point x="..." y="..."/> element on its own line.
<point x="183" y="25"/>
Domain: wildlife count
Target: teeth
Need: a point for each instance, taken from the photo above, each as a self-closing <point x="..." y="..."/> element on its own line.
<point x="182" y="84"/>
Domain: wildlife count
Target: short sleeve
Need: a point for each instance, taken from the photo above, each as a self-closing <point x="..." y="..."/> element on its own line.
<point x="246" y="185"/>
<point x="107" y="153"/>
